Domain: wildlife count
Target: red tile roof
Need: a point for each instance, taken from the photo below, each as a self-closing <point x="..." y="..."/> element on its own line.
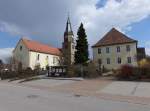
<point x="42" y="48"/>
<point x="114" y="37"/>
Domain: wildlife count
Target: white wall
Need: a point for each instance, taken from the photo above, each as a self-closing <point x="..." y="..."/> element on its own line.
<point x="21" y="55"/>
<point x="42" y="59"/>
<point x="113" y="55"/>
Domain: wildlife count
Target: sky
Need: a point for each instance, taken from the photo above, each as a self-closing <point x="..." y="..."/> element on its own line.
<point x="45" y="20"/>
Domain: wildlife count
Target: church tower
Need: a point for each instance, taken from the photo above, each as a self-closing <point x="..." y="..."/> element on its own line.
<point x="68" y="44"/>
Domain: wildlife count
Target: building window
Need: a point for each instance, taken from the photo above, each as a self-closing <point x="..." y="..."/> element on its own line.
<point x="47" y="58"/>
<point x="119" y="60"/>
<point x="128" y="48"/>
<point x="108" y="60"/>
<point x="129" y="60"/>
<point x="20" y="48"/>
<point x="38" y="57"/>
<point x="99" y="50"/>
<point x="118" y="48"/>
<point x="107" y="50"/>
<point x="54" y="60"/>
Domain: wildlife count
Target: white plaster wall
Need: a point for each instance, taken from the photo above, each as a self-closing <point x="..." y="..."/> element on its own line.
<point x="42" y="60"/>
<point x="113" y="55"/>
<point x="21" y="55"/>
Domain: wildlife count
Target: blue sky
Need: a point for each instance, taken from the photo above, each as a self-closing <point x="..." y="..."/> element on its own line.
<point x="44" y="21"/>
<point x="141" y="31"/>
<point x="8" y="40"/>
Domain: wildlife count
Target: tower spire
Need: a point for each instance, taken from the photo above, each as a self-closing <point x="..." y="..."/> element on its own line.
<point x="68" y="26"/>
<point x="68" y="44"/>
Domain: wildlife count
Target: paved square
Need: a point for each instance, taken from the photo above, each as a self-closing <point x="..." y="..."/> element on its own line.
<point x="143" y="90"/>
<point x="48" y="82"/>
<point x="14" y="97"/>
<point x="140" y="89"/>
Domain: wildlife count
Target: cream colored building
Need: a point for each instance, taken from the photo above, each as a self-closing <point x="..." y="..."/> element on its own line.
<point x="31" y="54"/>
<point x="114" y="50"/>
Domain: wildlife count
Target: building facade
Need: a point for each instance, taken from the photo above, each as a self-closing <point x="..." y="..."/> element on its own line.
<point x="31" y="54"/>
<point x="114" y="50"/>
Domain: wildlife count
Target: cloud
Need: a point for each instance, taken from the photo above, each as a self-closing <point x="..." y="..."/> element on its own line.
<point x="147" y="51"/>
<point x="10" y="28"/>
<point x="147" y="47"/>
<point x="44" y="20"/>
<point x="120" y="14"/>
<point x="5" y="53"/>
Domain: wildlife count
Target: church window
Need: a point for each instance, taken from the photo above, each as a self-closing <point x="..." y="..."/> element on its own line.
<point x="38" y="57"/>
<point x="20" y="48"/>
<point x="54" y="60"/>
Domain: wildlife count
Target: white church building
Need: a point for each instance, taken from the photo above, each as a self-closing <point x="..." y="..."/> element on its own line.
<point x="31" y="53"/>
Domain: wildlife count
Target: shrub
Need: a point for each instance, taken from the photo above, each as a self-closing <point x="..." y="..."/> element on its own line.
<point x="28" y="72"/>
<point x="144" y="63"/>
<point x="37" y="68"/>
<point x="8" y="75"/>
<point x="125" y="72"/>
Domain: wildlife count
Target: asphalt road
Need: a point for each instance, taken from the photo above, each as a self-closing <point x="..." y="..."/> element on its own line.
<point x="21" y="98"/>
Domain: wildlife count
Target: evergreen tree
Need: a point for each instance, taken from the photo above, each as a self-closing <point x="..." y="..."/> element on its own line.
<point x="1" y="62"/>
<point x="81" y="53"/>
